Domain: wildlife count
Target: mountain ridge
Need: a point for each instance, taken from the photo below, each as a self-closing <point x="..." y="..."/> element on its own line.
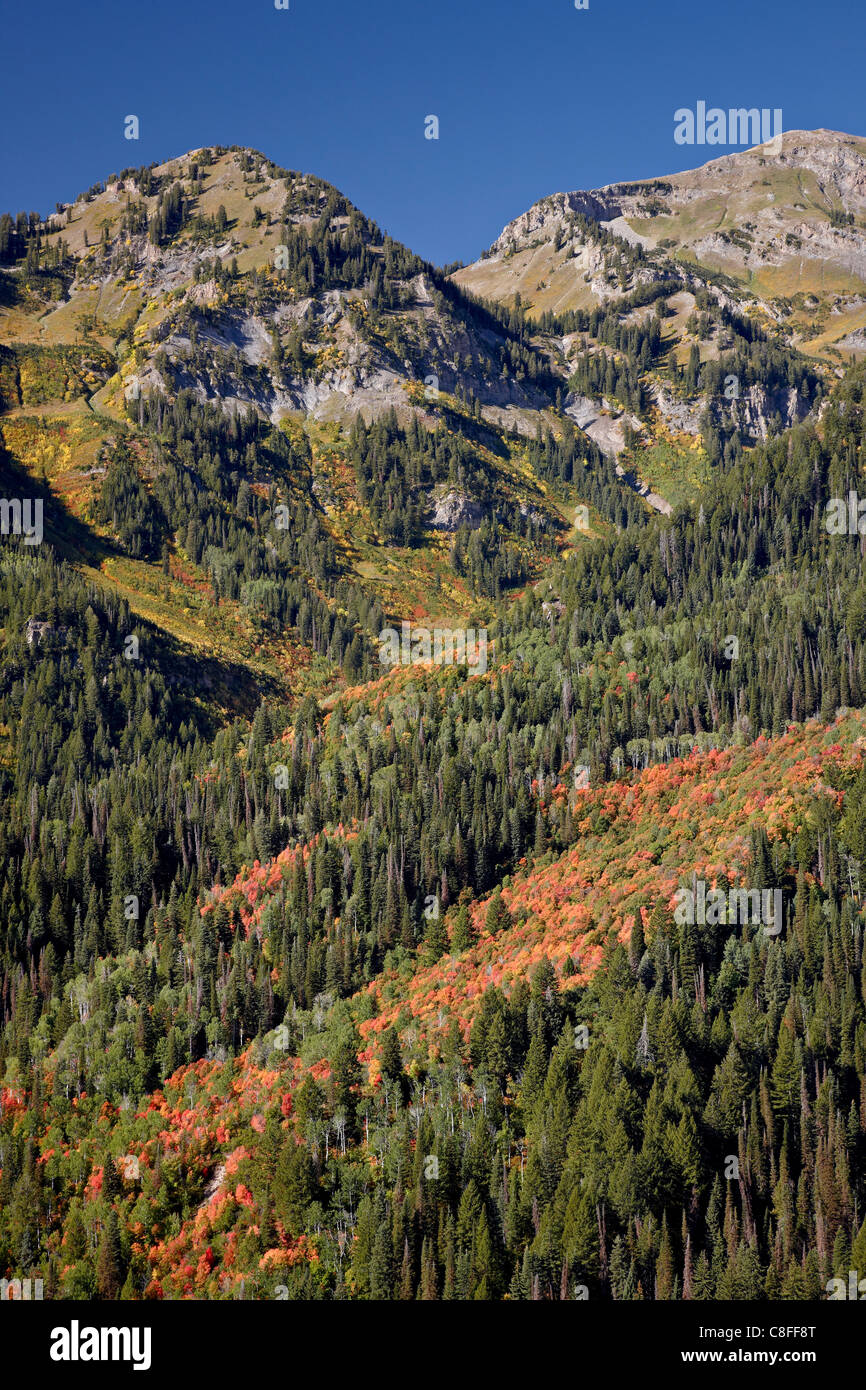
<point x="683" y="210"/>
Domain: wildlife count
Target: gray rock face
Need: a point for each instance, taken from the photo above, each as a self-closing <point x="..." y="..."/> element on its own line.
<point x="680" y="416"/>
<point x="856" y="341"/>
<point x="750" y="413"/>
<point x="599" y="205"/>
<point x="454" y="509"/>
<point x="654" y="499"/>
<point x="753" y="411"/>
<point x="605" y="428"/>
<point x="233" y="359"/>
<point x="35" y="631"/>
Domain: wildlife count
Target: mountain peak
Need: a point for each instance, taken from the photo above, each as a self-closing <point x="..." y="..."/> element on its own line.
<point x="778" y="222"/>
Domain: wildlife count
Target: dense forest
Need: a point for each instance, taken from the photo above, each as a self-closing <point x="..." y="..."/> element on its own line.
<point x="704" y="1135"/>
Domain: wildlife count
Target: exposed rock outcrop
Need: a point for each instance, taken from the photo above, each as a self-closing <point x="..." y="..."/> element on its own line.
<point x="453" y="509"/>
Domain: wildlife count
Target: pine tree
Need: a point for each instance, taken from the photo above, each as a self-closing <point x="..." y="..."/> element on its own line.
<point x="463" y="935"/>
<point x="109" y="1263"/>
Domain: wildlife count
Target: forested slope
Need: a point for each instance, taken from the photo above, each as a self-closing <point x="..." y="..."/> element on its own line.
<point x="300" y="1022"/>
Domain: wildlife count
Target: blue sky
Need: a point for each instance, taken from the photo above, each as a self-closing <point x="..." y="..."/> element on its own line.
<point x="532" y="96"/>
